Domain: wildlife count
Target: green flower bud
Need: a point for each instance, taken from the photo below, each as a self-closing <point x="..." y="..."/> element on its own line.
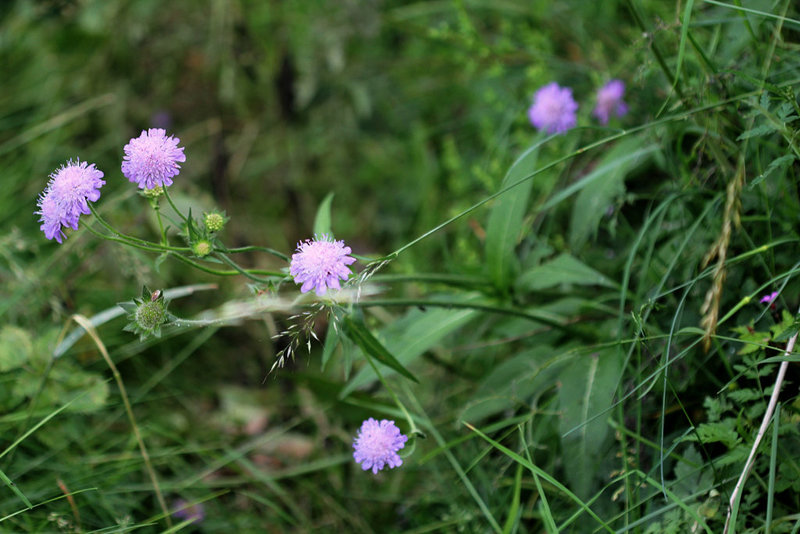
<point x="155" y="192"/>
<point x="150" y="315"/>
<point x="147" y="314"/>
<point x="214" y="221"/>
<point x="201" y="248"/>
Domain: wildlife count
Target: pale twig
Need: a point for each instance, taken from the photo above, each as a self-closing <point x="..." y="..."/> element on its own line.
<point x="87" y="325"/>
<point x="748" y="466"/>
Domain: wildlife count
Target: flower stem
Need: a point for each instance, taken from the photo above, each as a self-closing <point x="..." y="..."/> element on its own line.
<point x="130" y="240"/>
<point x="174" y="207"/>
<point x="87" y="325"/>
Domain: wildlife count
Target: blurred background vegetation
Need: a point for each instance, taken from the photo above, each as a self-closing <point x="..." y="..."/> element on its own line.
<point x="409" y="113"/>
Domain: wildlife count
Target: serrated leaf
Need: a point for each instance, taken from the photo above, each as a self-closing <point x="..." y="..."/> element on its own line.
<point x="505" y="219"/>
<point x="775" y="165"/>
<point x="764" y="129"/>
<point x="562" y="270"/>
<point x="361" y="336"/>
<point x="322" y="221"/>
<point x="587" y="390"/>
<point x="722" y="432"/>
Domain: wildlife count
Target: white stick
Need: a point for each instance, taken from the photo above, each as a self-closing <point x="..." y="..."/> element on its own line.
<point x="773" y="401"/>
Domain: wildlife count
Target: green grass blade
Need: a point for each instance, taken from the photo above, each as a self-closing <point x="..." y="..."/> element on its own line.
<point x="322" y="221"/>
<point x="361" y="336"/>
<point x="546" y="476"/>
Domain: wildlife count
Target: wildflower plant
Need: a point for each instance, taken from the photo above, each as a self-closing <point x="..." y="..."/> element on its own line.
<point x="552" y="337"/>
<point x="67" y="196"/>
<point x="553" y="109"/>
<point x="610" y="101"/>
<point x="152" y="159"/>
<point x="320" y="264"/>
<point x="377" y="444"/>
<point x="146" y="315"/>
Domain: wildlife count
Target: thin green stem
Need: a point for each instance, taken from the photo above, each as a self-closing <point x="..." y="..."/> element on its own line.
<point x="656" y="50"/>
<point x="157" y="208"/>
<point x="174" y="207"/>
<point x="127" y="239"/>
<point x="411" y="423"/>
<point x="217" y="272"/>
<point x="240" y="270"/>
<point x="253" y="248"/>
<point x="152" y="248"/>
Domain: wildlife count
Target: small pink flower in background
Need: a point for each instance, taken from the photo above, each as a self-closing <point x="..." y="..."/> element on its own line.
<point x="553" y="109"/>
<point x="67" y="197"/>
<point x="377" y="444"/>
<point x="152" y="159"/>
<point x="320" y="264"/>
<point x="609" y="101"/>
<point x="186" y="511"/>
<point x="768" y="299"/>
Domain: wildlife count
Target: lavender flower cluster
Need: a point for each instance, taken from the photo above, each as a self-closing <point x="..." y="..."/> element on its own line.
<point x="555" y="111"/>
<point x="151" y="160"/>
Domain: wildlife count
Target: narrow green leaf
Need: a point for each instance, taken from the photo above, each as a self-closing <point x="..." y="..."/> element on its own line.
<point x="563" y="270"/>
<point x="322" y="221"/>
<point x="505" y="219"/>
<point x="331" y="342"/>
<point x="602" y="186"/>
<point x="587" y="390"/>
<point x="361" y="336"/>
<point x="410" y="336"/>
<point x="13" y="487"/>
<point x="533" y="468"/>
<point x="687" y="15"/>
<point x="513" y="510"/>
<point x="512" y="382"/>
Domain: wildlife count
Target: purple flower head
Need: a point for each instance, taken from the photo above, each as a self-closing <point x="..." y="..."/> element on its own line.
<point x="609" y="101"/>
<point x="377" y="444"/>
<point x="152" y="159"/>
<point x="185" y="510"/>
<point x="767" y="299"/>
<point x="319" y="264"/>
<point x="67" y="196"/>
<point x="553" y="109"/>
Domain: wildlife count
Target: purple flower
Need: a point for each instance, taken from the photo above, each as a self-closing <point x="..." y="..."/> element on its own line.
<point x="767" y="299"/>
<point x="377" y="444"/>
<point x="185" y="510"/>
<point x="319" y="264"/>
<point x="67" y="197"/>
<point x="152" y="159"/>
<point x="553" y="109"/>
<point x="609" y="100"/>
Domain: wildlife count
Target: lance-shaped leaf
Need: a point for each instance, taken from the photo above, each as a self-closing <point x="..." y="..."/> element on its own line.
<point x="358" y="332"/>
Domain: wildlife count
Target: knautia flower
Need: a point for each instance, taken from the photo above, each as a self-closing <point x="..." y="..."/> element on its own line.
<point x="320" y="264"/>
<point x="609" y="101"/>
<point x="67" y="196"/>
<point x="152" y="159"/>
<point x="186" y="511"/>
<point x="377" y="444"/>
<point x="553" y="109"/>
<point x="767" y="299"/>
